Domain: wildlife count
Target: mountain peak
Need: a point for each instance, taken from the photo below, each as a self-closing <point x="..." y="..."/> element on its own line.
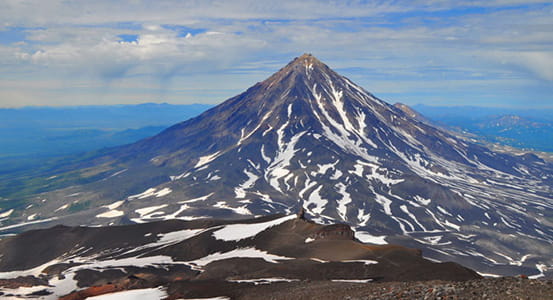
<point x="304" y="63"/>
<point x="305" y="70"/>
<point x="306" y="59"/>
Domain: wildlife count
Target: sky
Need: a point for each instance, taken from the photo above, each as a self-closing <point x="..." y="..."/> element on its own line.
<point x="444" y="53"/>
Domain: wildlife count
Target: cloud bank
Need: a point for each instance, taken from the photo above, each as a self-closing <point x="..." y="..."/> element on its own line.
<point x="54" y="52"/>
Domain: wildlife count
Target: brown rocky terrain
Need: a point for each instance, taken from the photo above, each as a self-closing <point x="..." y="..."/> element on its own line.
<point x="206" y="258"/>
<point x="487" y="288"/>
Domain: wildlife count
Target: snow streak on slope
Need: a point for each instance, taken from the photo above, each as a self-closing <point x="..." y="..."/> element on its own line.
<point x="143" y="294"/>
<point x="240" y="191"/>
<point x="236" y="232"/>
<point x="242" y="252"/>
<point x="342" y="203"/>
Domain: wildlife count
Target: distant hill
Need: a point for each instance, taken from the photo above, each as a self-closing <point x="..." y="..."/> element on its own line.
<point x="521" y="128"/>
<point x="41" y="132"/>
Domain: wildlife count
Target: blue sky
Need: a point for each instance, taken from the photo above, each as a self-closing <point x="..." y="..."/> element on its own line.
<point x="465" y="52"/>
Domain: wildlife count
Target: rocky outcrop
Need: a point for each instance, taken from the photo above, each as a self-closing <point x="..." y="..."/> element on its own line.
<point x="334" y="232"/>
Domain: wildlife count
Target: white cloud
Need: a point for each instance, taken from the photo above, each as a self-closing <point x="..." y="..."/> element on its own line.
<point x="40" y="12"/>
<point x="243" y="41"/>
<point x="156" y="51"/>
<point x="48" y="12"/>
<point x="540" y="64"/>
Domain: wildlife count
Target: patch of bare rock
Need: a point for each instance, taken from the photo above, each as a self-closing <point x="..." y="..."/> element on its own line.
<point x="488" y="288"/>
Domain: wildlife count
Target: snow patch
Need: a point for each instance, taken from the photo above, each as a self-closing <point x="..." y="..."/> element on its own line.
<point x="236" y="232"/>
<point x="352" y="280"/>
<point x="412" y="216"/>
<point x="111" y="214"/>
<point x="385" y="202"/>
<point x="146" y="210"/>
<point x="365" y="261"/>
<point x="241" y="252"/>
<point x="117" y="173"/>
<point x="337" y="174"/>
<point x="366" y="237"/>
<point x="316" y="200"/>
<point x="489" y="275"/>
<point x="344" y="201"/>
<point x="27" y="223"/>
<point x="18" y="293"/>
<point x="36" y="271"/>
<point x="178" y="236"/>
<point x="163" y="192"/>
<point x="142" y="294"/>
<point x="286" y="151"/>
<point x="114" y="205"/>
<point x="6" y="213"/>
<point x="242" y="210"/>
<point x="263" y="280"/>
<point x="202" y="198"/>
<point x="454" y="226"/>
<point x="206" y="159"/>
<point x="421" y="200"/>
<point x="541" y="268"/>
<point x="240" y="191"/>
<point x="362" y="217"/>
<point x="150" y="193"/>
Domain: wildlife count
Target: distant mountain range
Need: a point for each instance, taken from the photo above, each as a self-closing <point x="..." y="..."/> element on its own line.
<point x="309" y="137"/>
<point x="53" y="131"/>
<point x="521" y="128"/>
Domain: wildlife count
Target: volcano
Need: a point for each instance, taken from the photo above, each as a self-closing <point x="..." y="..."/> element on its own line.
<point x="309" y="137"/>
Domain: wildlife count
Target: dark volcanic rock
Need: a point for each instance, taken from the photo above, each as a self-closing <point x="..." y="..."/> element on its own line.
<point x="186" y="255"/>
<point x="22" y="281"/>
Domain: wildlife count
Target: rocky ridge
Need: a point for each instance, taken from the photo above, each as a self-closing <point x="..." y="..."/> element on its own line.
<point x="202" y="258"/>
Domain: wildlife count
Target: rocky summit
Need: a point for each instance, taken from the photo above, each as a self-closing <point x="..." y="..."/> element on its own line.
<point x="309" y="137"/>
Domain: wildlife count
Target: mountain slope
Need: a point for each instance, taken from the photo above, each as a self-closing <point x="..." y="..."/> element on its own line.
<point x="203" y="257"/>
<point x="308" y="137"/>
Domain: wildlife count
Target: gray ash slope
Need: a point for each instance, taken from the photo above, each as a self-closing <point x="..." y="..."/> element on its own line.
<point x="309" y="137"/>
<point x="201" y="258"/>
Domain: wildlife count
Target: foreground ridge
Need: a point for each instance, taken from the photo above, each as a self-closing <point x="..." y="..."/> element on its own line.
<point x="202" y="258"/>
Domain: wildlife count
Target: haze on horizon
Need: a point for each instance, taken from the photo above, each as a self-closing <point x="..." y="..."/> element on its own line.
<point x="484" y="53"/>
